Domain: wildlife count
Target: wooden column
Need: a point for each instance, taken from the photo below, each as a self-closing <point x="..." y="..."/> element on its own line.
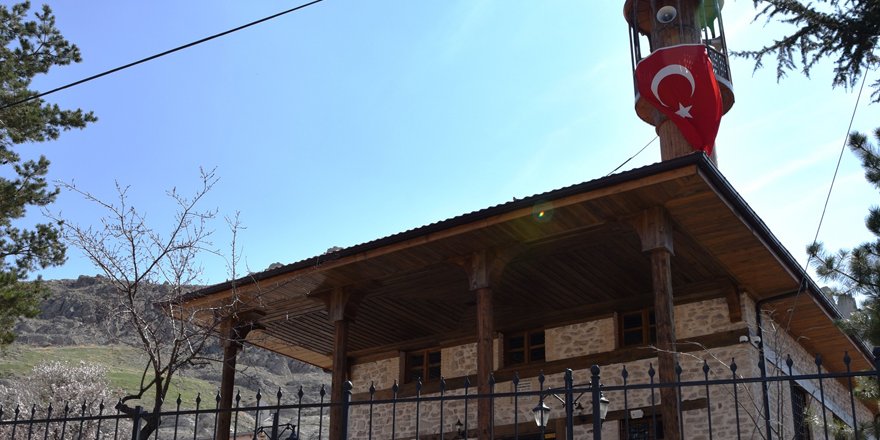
<point x="672" y="142"/>
<point x="234" y="331"/>
<point x="485" y="361"/>
<point x="667" y="358"/>
<point x="483" y="268"/>
<point x="655" y="229"/>
<point x="339" y="376"/>
<point x="227" y="383"/>
<point x="340" y="311"/>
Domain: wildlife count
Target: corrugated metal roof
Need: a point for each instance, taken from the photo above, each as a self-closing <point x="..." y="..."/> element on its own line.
<point x="459" y="220"/>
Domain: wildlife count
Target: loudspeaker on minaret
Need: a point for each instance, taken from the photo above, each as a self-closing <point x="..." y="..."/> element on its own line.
<point x="681" y="74"/>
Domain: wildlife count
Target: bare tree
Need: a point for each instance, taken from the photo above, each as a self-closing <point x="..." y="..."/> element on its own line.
<point x="150" y="271"/>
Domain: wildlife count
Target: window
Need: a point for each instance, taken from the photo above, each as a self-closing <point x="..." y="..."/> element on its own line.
<point x="638" y="328"/>
<point x="524" y="347"/>
<point x="642" y="429"/>
<point x="422" y="364"/>
<point x="840" y="429"/>
<point x="799" y="406"/>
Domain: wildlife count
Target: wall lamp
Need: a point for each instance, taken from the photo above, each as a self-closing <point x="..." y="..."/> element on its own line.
<point x="542" y="411"/>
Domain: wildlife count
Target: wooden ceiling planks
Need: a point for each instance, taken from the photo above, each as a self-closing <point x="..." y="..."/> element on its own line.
<point x="802" y="316"/>
<point x="312" y="331"/>
<point x="700" y="263"/>
<point x="714" y="227"/>
<point x="271" y="342"/>
<point x="291" y="308"/>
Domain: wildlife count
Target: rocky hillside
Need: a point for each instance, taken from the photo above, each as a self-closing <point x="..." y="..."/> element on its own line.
<point x="76" y="321"/>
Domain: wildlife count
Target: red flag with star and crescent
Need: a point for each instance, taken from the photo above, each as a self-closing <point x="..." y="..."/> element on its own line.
<point x="680" y="82"/>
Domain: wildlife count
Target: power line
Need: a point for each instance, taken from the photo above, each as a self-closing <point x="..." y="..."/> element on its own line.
<point x="159" y="55"/>
<point x="840" y="158"/>
<point x="803" y="284"/>
<point x="632" y="157"/>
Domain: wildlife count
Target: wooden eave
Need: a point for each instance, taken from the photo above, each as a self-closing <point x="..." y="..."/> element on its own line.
<point x="581" y="259"/>
<point x="813" y="328"/>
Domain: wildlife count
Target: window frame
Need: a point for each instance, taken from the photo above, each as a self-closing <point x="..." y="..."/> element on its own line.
<point x="425" y="368"/>
<point x="649" y="423"/>
<point x="800" y="405"/>
<point x="526" y="348"/>
<point x="648" y="327"/>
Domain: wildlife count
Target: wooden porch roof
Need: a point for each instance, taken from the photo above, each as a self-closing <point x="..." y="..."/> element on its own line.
<point x="573" y="255"/>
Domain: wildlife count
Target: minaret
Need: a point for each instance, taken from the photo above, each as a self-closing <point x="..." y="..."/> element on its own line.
<point x="660" y="24"/>
<point x="682" y="87"/>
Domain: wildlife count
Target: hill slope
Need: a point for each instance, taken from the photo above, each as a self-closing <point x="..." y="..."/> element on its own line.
<point x="74" y="326"/>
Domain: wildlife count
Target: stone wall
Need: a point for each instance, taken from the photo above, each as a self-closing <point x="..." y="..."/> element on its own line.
<point x="779" y="345"/>
<point x="579" y="339"/>
<point x="598" y="336"/>
<point x="704" y="318"/>
<point x="458" y="361"/>
<point x="382" y="374"/>
<point x="563" y="342"/>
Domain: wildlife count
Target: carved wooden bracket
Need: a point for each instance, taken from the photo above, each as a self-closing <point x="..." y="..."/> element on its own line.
<point x="343" y="302"/>
<point x="734" y="304"/>
<point x="655" y="229"/>
<point x="236" y="328"/>
<point x="484" y="268"/>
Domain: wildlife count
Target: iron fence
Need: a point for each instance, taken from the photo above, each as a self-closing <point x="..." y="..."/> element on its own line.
<point x="715" y="400"/>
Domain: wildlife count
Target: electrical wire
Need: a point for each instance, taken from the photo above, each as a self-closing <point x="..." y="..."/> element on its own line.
<point x="158" y="55"/>
<point x="803" y="284"/>
<point x="632" y="157"/>
<point x="840" y="158"/>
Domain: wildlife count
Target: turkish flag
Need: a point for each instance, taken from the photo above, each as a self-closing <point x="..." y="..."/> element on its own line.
<point x="679" y="81"/>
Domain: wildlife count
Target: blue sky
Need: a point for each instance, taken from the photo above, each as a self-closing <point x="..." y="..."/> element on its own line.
<point x="350" y="121"/>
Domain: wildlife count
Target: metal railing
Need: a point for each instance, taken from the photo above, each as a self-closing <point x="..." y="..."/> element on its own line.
<point x="715" y="400"/>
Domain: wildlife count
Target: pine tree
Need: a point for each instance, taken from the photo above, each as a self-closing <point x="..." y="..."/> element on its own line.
<point x="845" y="31"/>
<point x="29" y="46"/>
<point x="857" y="271"/>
